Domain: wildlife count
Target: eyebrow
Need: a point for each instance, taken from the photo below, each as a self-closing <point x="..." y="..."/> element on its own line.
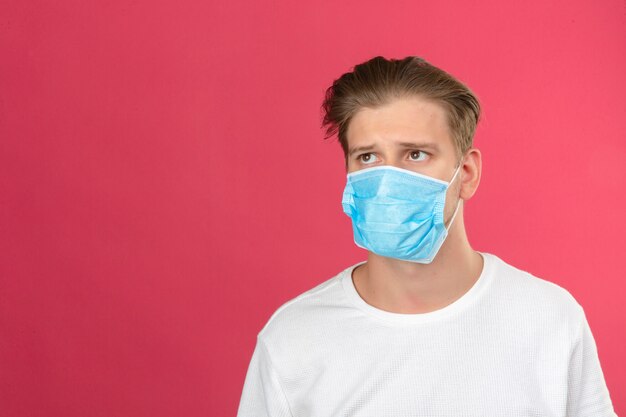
<point x="423" y="145"/>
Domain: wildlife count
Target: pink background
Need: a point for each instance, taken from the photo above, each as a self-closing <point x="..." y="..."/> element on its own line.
<point x="164" y="184"/>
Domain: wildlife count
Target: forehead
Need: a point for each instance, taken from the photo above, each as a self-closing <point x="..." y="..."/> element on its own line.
<point x="401" y="120"/>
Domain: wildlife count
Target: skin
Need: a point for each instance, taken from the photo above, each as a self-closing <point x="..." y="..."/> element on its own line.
<point x="400" y="286"/>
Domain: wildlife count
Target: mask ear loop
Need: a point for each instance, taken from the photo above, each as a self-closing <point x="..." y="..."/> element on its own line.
<point x="458" y="204"/>
<point x="455" y="174"/>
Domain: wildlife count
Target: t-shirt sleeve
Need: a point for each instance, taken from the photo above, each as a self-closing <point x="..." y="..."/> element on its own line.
<point x="588" y="394"/>
<point x="262" y="394"/>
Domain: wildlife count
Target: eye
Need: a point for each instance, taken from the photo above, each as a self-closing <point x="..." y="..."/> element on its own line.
<point x="367" y="158"/>
<point x="417" y="155"/>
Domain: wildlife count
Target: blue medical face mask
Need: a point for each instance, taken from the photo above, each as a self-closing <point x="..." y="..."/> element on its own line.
<point x="397" y="213"/>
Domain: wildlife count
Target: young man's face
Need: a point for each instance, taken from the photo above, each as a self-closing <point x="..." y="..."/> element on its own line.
<point x="409" y="133"/>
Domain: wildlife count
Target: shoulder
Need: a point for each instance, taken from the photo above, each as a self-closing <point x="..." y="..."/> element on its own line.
<point x="534" y="297"/>
<point x="306" y="316"/>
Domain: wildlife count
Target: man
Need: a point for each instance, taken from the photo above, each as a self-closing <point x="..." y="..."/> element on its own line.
<point x="426" y="326"/>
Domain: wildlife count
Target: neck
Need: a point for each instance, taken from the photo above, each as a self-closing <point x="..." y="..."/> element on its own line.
<point x="408" y="287"/>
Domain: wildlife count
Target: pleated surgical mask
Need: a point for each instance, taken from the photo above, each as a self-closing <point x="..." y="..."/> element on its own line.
<point x="397" y="213"/>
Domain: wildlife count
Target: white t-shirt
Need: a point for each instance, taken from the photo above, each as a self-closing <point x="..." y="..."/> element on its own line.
<point x="513" y="345"/>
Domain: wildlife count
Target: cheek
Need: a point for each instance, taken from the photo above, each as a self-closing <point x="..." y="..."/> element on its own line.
<point x="452" y="196"/>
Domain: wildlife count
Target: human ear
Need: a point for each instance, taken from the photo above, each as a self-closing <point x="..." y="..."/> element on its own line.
<point x="470" y="170"/>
